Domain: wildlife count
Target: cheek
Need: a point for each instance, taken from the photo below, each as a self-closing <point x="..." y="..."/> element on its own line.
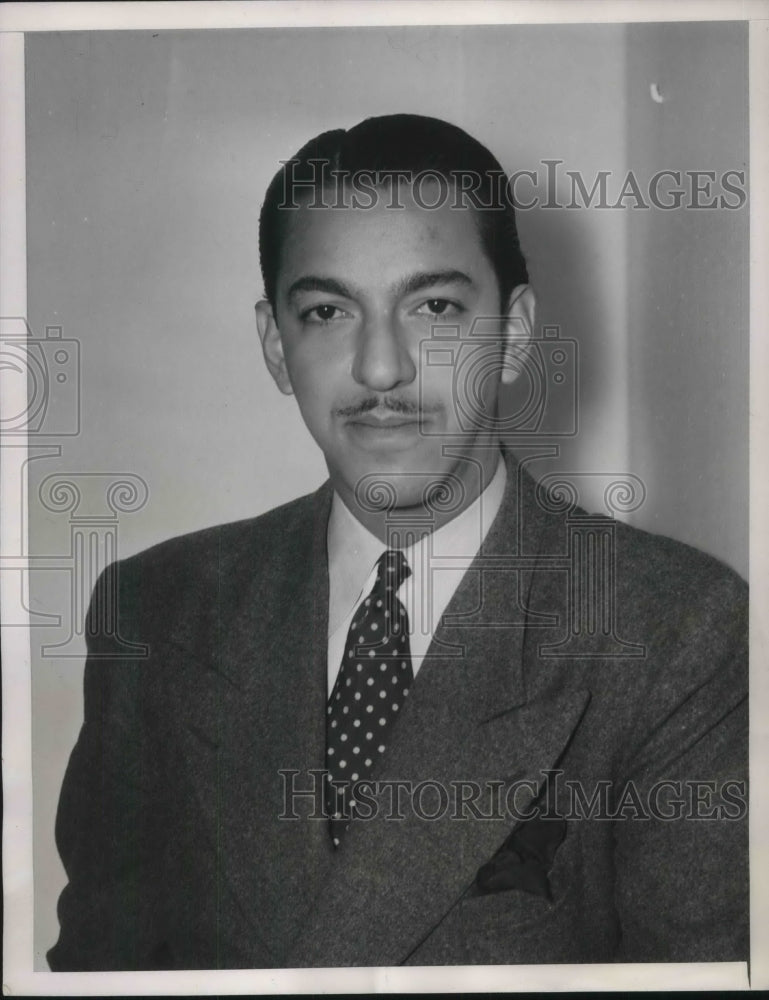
<point x="320" y="384"/>
<point x="313" y="368"/>
<point x="317" y="346"/>
<point x="436" y="379"/>
<point x="464" y="390"/>
<point x="468" y="388"/>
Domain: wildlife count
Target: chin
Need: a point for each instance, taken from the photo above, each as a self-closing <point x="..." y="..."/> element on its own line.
<point x="398" y="488"/>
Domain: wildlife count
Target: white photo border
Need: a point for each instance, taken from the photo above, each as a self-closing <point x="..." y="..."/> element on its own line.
<point x="19" y="977"/>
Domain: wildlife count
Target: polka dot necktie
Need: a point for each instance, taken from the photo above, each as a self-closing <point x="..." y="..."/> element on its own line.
<point x="370" y="689"/>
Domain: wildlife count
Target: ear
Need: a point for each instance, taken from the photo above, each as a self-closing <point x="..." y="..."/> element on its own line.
<point x="272" y="346"/>
<point x="518" y="331"/>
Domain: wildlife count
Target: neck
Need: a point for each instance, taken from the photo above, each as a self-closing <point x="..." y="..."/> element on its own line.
<point x="436" y="499"/>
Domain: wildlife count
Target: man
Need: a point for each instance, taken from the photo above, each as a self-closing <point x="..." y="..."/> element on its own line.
<point x="424" y="715"/>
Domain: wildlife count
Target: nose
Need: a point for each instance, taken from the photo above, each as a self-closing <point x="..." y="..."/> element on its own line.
<point x="382" y="360"/>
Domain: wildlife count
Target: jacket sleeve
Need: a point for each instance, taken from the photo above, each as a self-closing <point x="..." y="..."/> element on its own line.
<point x="681" y="888"/>
<point x="109" y="823"/>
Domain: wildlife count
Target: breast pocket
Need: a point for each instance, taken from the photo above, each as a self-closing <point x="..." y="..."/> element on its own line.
<point x="518" y="927"/>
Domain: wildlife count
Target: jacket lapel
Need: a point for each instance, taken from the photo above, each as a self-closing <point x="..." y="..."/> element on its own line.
<point x="467" y="719"/>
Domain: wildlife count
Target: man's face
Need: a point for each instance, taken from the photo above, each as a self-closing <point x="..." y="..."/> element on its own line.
<point x="358" y="294"/>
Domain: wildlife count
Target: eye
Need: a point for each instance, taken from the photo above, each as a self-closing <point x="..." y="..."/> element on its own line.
<point x="322" y="314"/>
<point x="438" y="307"/>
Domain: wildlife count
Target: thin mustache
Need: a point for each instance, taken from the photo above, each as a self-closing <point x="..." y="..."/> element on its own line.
<point x="387" y="404"/>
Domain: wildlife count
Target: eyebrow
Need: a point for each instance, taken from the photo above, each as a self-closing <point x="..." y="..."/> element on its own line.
<point x="426" y="279"/>
<point x="314" y="283"/>
<point x="407" y="286"/>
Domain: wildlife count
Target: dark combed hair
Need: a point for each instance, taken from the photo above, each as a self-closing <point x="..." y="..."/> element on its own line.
<point x="411" y="143"/>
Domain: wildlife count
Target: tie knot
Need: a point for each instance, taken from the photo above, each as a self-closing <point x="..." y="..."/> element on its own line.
<point x="393" y="569"/>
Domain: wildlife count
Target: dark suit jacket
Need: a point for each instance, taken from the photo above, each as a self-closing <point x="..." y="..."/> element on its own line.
<point x="168" y="822"/>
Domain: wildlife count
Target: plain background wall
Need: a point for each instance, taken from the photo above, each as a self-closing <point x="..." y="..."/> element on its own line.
<point x="147" y="157"/>
<point x="687" y="298"/>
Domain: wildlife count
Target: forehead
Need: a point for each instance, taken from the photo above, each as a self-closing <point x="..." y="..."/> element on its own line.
<point x="375" y="247"/>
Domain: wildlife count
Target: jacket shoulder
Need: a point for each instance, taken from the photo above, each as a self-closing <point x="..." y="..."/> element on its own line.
<point x="653" y="619"/>
<point x="688" y="612"/>
<point x="219" y="545"/>
<point x="672" y="573"/>
<point x="182" y="584"/>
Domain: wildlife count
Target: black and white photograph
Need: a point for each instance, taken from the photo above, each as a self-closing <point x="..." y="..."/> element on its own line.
<point x="383" y="447"/>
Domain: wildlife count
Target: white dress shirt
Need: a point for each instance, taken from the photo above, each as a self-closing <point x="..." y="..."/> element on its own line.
<point x="438" y="562"/>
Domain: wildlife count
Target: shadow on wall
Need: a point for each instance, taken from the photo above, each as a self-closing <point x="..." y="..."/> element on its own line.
<point x="562" y="401"/>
